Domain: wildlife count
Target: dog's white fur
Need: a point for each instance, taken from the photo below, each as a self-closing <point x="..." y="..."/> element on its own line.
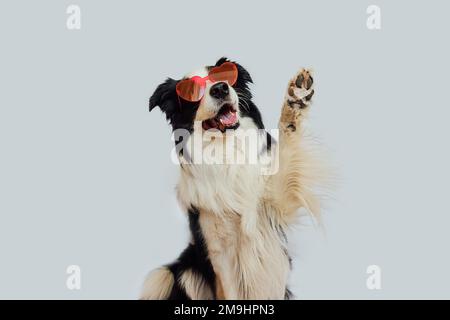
<point x="238" y="208"/>
<point x="162" y="279"/>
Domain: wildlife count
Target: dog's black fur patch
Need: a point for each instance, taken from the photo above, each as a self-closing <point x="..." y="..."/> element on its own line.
<point x="194" y="258"/>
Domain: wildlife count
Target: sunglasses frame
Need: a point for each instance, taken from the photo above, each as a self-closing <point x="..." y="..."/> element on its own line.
<point x="201" y="81"/>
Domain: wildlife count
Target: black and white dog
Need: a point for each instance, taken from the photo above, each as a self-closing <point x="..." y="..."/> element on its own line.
<point x="237" y="215"/>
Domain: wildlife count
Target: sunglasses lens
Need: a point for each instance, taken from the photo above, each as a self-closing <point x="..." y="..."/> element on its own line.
<point x="190" y="90"/>
<point x="193" y="89"/>
<point x="225" y="72"/>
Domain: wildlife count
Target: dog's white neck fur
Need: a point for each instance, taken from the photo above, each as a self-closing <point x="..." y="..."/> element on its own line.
<point x="223" y="189"/>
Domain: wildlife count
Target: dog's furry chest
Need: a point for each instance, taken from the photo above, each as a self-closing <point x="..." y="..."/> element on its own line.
<point x="223" y="189"/>
<point x="248" y="265"/>
<point x="244" y="242"/>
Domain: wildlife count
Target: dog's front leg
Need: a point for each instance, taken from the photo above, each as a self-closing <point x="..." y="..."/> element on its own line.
<point x="289" y="186"/>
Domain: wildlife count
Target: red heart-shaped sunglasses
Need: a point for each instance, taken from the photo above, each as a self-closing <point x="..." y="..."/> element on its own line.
<point x="193" y="89"/>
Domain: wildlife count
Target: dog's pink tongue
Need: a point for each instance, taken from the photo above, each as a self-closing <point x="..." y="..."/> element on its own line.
<point x="228" y="118"/>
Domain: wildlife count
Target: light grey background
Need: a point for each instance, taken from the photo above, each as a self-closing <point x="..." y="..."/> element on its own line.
<point x="86" y="177"/>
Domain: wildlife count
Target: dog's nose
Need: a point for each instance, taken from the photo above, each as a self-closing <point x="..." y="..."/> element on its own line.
<point x="219" y="90"/>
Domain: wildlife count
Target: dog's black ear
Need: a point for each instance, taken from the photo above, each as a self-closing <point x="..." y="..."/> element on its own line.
<point x="243" y="75"/>
<point x="163" y="93"/>
<point x="221" y="60"/>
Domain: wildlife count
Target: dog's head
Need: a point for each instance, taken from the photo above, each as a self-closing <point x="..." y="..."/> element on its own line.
<point x="217" y="104"/>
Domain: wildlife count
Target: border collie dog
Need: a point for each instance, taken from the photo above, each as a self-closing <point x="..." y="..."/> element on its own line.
<point x="238" y="213"/>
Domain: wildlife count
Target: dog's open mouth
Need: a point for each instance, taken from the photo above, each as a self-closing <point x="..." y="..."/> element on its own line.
<point x="226" y="118"/>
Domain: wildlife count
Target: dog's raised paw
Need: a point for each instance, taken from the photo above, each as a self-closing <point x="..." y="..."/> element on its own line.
<point x="298" y="98"/>
<point x="300" y="90"/>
